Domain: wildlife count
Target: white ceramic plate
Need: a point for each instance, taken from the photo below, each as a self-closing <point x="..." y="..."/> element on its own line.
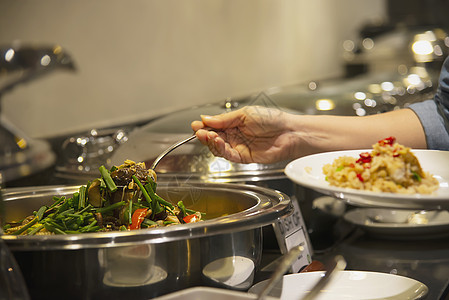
<point x="347" y="285"/>
<point x="308" y="171"/>
<point x="395" y="224"/>
<point x="208" y="293"/>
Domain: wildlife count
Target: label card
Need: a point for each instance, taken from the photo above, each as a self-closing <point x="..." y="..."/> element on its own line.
<point x="290" y="232"/>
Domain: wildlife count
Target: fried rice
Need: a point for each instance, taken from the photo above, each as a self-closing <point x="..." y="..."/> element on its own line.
<point x="389" y="167"/>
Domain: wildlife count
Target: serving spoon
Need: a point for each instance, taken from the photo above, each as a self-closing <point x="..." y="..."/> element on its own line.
<point x="170" y="149"/>
<point x="173" y="147"/>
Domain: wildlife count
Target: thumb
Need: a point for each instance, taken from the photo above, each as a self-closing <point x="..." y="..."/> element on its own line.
<point x="223" y="121"/>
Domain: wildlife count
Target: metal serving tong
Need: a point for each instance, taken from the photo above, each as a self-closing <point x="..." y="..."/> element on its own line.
<point x="281" y="269"/>
<point x="337" y="264"/>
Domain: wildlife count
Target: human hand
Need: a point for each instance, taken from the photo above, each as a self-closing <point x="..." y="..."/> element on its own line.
<point x="252" y="134"/>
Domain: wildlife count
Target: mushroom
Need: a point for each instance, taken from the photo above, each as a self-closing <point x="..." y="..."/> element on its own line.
<point x="93" y="193"/>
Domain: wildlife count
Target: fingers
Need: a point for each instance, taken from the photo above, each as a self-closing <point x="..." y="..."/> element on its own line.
<point x="205" y="131"/>
<point x="197" y="125"/>
<point x="223" y="121"/>
<point x="217" y="145"/>
<point x="207" y="137"/>
<point x="202" y="136"/>
<point x="213" y="141"/>
<point x="209" y="122"/>
<point x="220" y="122"/>
<point x="228" y="152"/>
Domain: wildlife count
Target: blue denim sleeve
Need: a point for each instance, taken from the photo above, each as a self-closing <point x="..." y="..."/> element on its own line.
<point x="434" y="114"/>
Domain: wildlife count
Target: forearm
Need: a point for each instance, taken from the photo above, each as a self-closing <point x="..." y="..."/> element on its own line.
<point x="315" y="134"/>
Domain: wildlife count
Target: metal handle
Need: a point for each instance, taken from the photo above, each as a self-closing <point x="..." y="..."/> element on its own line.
<point x="170" y="149"/>
<point x="337" y="264"/>
<point x="282" y="268"/>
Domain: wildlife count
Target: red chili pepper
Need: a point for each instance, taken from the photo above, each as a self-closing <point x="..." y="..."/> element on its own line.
<point x="137" y="218"/>
<point x="365" y="157"/>
<point x="190" y="218"/>
<point x="388" y="141"/>
<point x="359" y="176"/>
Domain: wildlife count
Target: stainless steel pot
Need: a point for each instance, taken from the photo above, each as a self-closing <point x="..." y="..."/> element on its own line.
<point x="223" y="251"/>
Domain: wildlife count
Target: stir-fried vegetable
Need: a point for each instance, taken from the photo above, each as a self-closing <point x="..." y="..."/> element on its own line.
<point x="123" y="198"/>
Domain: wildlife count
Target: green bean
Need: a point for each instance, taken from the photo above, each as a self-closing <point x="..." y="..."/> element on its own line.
<point x="110" y="207"/>
<point x="82" y="197"/>
<point x="49" y="227"/>
<point x="36" y="230"/>
<point x="148" y="223"/>
<point x="75" y="216"/>
<point x="54" y="229"/>
<point x="88" y="227"/>
<point x="57" y="230"/>
<point x="130" y="211"/>
<point x="108" y="179"/>
<point x="40" y="212"/>
<point x="64" y="206"/>
<point x="152" y="183"/>
<point x="169" y="222"/>
<point x="65" y="213"/>
<point x="92" y="229"/>
<point x="57" y="201"/>
<point x="182" y="208"/>
<point x="53" y="224"/>
<point x="163" y="202"/>
<point x="85" y="209"/>
<point x="26" y="226"/>
<point x="144" y="191"/>
<point x="191" y="211"/>
<point x="156" y="197"/>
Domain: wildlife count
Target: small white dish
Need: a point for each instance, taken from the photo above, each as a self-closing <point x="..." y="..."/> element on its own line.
<point x="400" y="224"/>
<point x="233" y="271"/>
<point x="308" y="171"/>
<point x="348" y="285"/>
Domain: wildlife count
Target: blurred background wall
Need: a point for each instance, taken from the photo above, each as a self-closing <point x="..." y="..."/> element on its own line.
<point x="138" y="59"/>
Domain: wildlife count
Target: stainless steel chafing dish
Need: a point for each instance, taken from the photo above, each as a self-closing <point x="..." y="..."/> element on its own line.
<point x="223" y="251"/>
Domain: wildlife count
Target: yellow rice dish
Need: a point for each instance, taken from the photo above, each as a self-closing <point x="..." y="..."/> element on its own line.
<point x="389" y="167"/>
